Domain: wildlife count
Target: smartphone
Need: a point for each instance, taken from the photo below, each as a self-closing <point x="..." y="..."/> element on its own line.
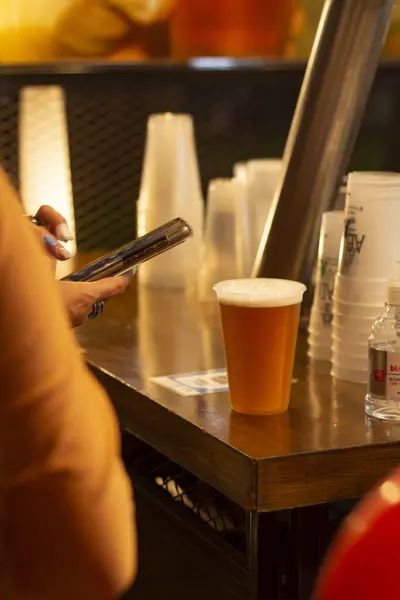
<point x="139" y="251"/>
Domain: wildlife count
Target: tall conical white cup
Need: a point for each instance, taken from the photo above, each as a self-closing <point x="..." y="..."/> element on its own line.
<point x="171" y="188"/>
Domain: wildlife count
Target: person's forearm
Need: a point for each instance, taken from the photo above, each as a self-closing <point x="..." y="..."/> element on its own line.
<point x="68" y="501"/>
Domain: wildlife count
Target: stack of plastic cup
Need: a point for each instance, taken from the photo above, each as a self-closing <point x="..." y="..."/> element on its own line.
<point x="263" y="177"/>
<point x="320" y="327"/>
<point x="44" y="156"/>
<point x="170" y="188"/>
<point x="240" y="171"/>
<point x="224" y="246"/>
<point x="341" y="197"/>
<point x="370" y="245"/>
<point x="260" y="178"/>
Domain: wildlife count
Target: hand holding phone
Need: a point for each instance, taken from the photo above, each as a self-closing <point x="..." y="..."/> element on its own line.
<point x="123" y="259"/>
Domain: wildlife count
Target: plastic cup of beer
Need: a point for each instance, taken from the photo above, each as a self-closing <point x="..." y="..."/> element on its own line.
<point x="260" y="319"/>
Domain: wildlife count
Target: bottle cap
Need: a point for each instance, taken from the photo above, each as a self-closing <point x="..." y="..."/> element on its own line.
<point x="393" y="294"/>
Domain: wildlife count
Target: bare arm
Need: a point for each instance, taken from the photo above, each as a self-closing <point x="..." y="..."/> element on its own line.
<point x="69" y="511"/>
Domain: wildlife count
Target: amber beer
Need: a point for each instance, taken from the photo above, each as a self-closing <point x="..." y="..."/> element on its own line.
<point x="260" y="318"/>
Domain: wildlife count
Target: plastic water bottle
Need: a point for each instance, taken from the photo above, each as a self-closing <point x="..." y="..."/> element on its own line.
<point x="383" y="396"/>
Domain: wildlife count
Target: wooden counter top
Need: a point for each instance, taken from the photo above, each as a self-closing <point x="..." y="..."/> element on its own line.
<point x="323" y="449"/>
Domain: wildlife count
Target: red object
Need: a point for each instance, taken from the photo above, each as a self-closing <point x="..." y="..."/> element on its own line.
<point x="363" y="563"/>
<point x="236" y="28"/>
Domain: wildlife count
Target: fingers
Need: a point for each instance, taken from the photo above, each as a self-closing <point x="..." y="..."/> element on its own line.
<point x="52" y="246"/>
<point x="53" y="228"/>
<point x="54" y="223"/>
<point x="79" y="297"/>
<point x="110" y="287"/>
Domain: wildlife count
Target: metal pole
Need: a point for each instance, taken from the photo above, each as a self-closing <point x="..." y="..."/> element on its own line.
<point x="329" y="111"/>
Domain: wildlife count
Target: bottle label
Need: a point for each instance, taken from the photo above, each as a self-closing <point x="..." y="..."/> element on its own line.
<point x="384" y="374"/>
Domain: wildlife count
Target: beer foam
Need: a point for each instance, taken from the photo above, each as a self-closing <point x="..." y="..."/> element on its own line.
<point x="260" y="292"/>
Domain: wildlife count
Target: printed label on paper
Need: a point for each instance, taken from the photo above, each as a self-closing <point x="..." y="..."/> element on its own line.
<point x="197" y="384"/>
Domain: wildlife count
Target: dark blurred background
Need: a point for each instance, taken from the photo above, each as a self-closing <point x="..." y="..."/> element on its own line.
<point x="241" y="110"/>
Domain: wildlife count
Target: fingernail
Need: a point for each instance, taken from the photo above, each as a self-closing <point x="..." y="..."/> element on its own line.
<point x="64" y="252"/>
<point x="128" y="274"/>
<point x="50" y="241"/>
<point x="63" y="233"/>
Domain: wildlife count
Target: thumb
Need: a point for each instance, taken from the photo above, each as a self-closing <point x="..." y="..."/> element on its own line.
<point x="110" y="286"/>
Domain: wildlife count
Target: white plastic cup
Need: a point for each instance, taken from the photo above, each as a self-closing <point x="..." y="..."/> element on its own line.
<point x="360" y="291"/>
<point x="329" y="244"/>
<point x="364" y="184"/>
<point x="368" y="252"/>
<point x="372" y="188"/>
<point x="319" y="352"/>
<point x="170" y="188"/>
<point x="328" y="253"/>
<point x="341" y="197"/>
<point x="320" y="320"/>
<point x="323" y="299"/>
<point x="371" y="241"/>
<point x="349" y="361"/>
<point x="354" y="295"/>
<point x="349" y="336"/>
<point x="240" y="171"/>
<point x="244" y="229"/>
<point x="351" y="327"/>
<point x="371" y="218"/>
<point x="319" y="338"/>
<point x="263" y="178"/>
<point x="224" y="245"/>
<point x="44" y="168"/>
<point x="366" y="285"/>
<point x="358" y="362"/>
<point x="332" y="228"/>
<point x="357" y="310"/>
<point x="346" y="348"/>
<point x="354" y="323"/>
<point x="347" y="373"/>
<point x="349" y="351"/>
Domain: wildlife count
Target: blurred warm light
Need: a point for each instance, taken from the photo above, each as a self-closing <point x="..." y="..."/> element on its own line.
<point x="25" y="29"/>
<point x="44" y="153"/>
